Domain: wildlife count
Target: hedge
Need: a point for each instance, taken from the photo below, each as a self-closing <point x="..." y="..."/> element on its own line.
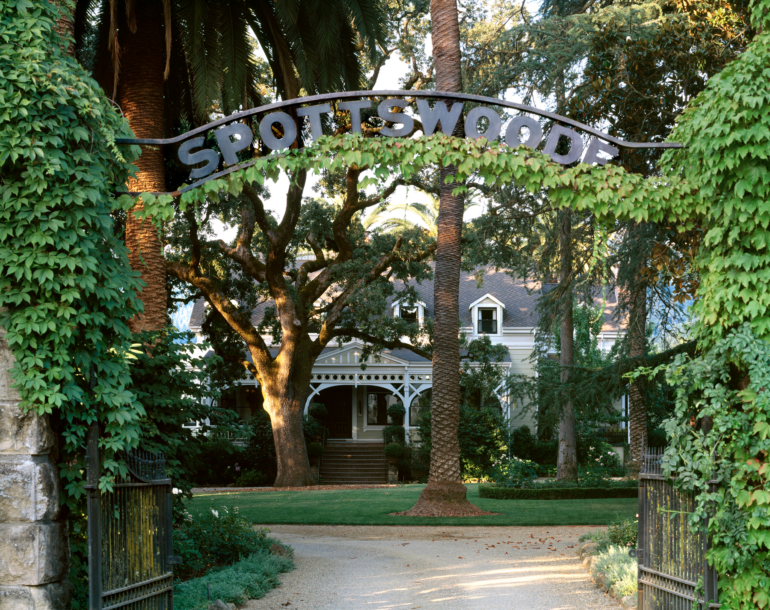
<point x="568" y="493"/>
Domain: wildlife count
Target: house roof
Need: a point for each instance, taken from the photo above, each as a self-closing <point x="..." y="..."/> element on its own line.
<point x="519" y="299"/>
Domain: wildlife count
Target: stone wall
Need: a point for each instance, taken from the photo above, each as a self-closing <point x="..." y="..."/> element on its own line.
<point x="34" y="552"/>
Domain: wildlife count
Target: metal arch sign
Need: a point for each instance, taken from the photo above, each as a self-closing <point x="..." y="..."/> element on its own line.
<point x="234" y="136"/>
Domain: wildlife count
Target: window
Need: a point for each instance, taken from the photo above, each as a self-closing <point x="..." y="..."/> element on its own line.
<point x="377" y="402"/>
<point x="420" y="406"/>
<point x="410" y="315"/>
<point x="487" y="321"/>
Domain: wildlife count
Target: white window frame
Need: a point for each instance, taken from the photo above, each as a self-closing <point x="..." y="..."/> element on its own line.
<point x="487" y="302"/>
<point x="419" y="305"/>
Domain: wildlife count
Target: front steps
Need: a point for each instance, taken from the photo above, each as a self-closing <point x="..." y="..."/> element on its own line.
<point x="354" y="463"/>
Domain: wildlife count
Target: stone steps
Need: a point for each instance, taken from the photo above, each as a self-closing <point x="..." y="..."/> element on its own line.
<point x="351" y="463"/>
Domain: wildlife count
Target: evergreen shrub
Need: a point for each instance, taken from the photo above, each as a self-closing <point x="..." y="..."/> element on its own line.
<point x="213" y="539"/>
<point x="394" y="450"/>
<point x="253" y="478"/>
<point x="563" y="493"/>
<point x="315" y="450"/>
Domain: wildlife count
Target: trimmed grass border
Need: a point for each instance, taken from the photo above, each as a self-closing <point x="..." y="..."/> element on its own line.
<point x="566" y="493"/>
<point x="373" y="507"/>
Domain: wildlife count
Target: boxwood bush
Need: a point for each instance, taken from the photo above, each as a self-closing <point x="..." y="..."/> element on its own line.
<point x="556" y="493"/>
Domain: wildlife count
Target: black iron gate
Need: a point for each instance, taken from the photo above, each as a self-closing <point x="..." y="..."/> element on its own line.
<point x="671" y="558"/>
<point x="130" y="535"/>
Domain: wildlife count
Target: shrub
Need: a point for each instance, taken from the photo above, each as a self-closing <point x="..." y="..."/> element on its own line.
<point x="513" y="472"/>
<point x="567" y="493"/>
<point x="483" y="436"/>
<point x="396" y="413"/>
<point x="619" y="569"/>
<point x="317" y="410"/>
<point x="253" y="478"/>
<point x="394" y="434"/>
<point x="529" y="447"/>
<point x="315" y="450"/>
<point x="394" y="450"/>
<point x="213" y="539"/>
<point x="216" y="462"/>
<point x="250" y="578"/>
<point x="624" y="533"/>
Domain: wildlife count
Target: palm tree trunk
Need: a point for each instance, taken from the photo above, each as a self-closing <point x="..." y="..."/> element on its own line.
<point x="637" y="410"/>
<point x="566" y="465"/>
<point x="445" y="494"/>
<point x="140" y="97"/>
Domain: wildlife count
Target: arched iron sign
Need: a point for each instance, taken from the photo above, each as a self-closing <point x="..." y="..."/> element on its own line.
<point x="234" y="136"/>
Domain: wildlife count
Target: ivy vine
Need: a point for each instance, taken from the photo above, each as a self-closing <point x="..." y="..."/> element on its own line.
<point x="66" y="288"/>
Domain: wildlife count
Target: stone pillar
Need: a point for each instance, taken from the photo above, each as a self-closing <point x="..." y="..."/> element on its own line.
<point x="34" y="552"/>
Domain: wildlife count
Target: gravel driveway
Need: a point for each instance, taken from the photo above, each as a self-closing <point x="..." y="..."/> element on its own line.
<point x="442" y="568"/>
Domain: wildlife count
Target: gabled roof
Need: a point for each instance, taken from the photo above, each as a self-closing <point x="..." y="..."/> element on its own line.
<point x="484" y="298"/>
<point x="518" y="299"/>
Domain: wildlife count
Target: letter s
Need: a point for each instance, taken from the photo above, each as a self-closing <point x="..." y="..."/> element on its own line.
<point x="188" y="158"/>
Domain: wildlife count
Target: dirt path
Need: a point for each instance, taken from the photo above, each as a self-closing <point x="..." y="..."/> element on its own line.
<point x="442" y="568"/>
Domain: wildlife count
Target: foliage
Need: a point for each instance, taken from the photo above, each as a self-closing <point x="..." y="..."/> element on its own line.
<point x="216" y="460"/>
<point x="394" y="450"/>
<point x="172" y="385"/>
<point x="214" y="539"/>
<point x="483" y="436"/>
<point x="556" y="493"/>
<point x="624" y="533"/>
<point x="253" y="478"/>
<point x="721" y="432"/>
<point x="585" y="482"/>
<point x="394" y="434"/>
<point x="396" y="413"/>
<point x="529" y="447"/>
<point x="66" y="288"/>
<point x="249" y="578"/>
<point x="315" y="450"/>
<point x="619" y="569"/>
<point x="513" y="472"/>
<point x="602" y="462"/>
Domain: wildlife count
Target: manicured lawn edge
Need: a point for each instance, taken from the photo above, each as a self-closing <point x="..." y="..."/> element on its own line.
<point x="575" y="493"/>
<point x="249" y="578"/>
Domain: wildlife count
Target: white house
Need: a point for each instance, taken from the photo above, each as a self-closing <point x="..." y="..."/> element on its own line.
<point x="502" y="308"/>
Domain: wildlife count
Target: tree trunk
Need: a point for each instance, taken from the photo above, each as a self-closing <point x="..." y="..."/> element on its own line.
<point x="566" y="467"/>
<point x="285" y="390"/>
<point x="445" y="495"/>
<point x="140" y="97"/>
<point x="637" y="409"/>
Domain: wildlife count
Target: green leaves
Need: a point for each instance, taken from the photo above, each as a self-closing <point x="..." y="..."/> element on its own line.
<point x="66" y="289"/>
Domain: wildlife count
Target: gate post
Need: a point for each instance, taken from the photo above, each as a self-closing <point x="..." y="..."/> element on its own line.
<point x="33" y="539"/>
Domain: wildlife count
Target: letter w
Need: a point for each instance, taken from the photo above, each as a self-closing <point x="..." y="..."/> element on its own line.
<point x="430" y="117"/>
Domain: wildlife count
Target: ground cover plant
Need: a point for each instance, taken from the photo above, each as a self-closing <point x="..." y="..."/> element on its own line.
<point x="222" y="550"/>
<point x="374" y="507"/>
<point x="249" y="578"/>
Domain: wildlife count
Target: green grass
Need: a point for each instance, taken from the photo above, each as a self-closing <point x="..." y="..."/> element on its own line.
<point x="372" y="507"/>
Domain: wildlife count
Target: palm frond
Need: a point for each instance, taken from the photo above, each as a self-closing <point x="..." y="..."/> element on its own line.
<point x="235" y="54"/>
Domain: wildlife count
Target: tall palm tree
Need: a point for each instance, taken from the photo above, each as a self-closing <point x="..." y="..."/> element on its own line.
<point x="167" y="62"/>
<point x="427" y="214"/>
<point x="445" y="494"/>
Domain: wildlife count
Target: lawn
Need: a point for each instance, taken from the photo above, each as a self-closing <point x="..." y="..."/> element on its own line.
<point x="372" y="507"/>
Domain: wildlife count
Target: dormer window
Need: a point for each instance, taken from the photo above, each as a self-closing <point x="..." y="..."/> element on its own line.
<point x="414" y="314"/>
<point x="410" y="315"/>
<point x="487" y="321"/>
<point x="487" y="315"/>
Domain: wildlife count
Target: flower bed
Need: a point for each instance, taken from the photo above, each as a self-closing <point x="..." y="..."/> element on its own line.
<point x="556" y="493"/>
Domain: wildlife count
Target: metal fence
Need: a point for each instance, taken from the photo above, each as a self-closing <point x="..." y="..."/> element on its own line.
<point x="671" y="558"/>
<point x="130" y="537"/>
